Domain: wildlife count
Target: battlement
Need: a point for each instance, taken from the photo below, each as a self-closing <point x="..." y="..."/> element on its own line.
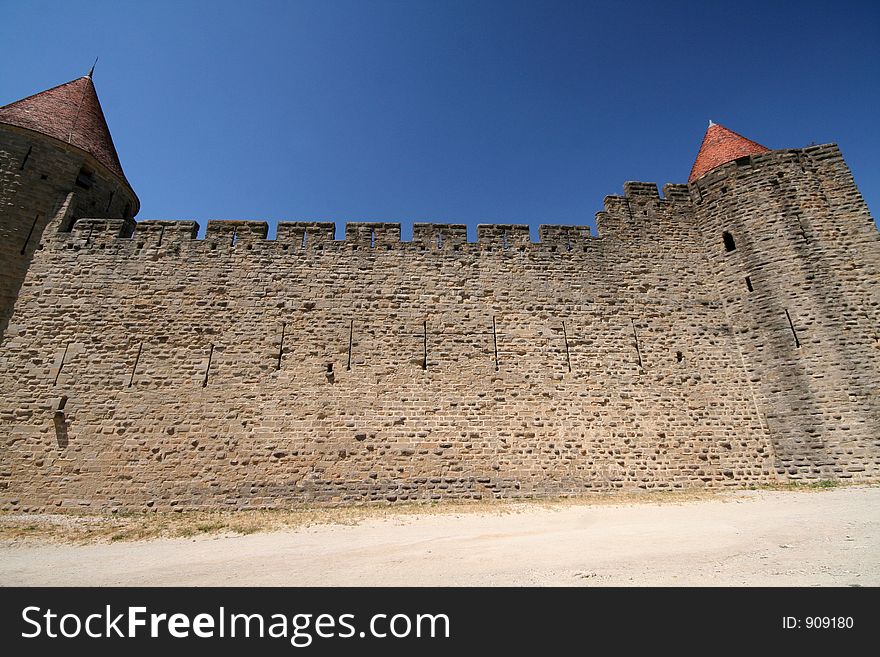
<point x="157" y="232"/>
<point x="644" y="195"/>
<point x="440" y="235"/>
<point x="102" y="228"/>
<point x="641" y="210"/>
<point x="641" y="214"/>
<point x="319" y="235"/>
<point x="640" y="199"/>
<point x="313" y="234"/>
<point x="233" y="232"/>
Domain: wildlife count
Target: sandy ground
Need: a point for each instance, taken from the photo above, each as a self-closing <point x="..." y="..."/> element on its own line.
<point x="746" y="538"/>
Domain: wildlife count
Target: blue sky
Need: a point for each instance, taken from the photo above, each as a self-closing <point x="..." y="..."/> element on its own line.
<point x="467" y="112"/>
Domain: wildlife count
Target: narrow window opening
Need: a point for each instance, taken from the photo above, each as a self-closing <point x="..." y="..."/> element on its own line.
<point x="350" y="343"/>
<point x="26" y="156"/>
<point x="329" y="368"/>
<point x="85" y="178"/>
<point x="495" y="341"/>
<point x="679" y="356"/>
<point x="568" y="245"/>
<point x="110" y="202"/>
<point x="504" y="243"/>
<point x="29" y="235"/>
<point x="61" y="432"/>
<point x="305" y="239"/>
<point x="749" y="284"/>
<point x="281" y="346"/>
<point x="136" y="361"/>
<point x="208" y="367"/>
<point x="161" y="235"/>
<point x="439" y="240"/>
<point x="89" y="234"/>
<point x="729" y="244"/>
<point x="638" y="348"/>
<point x="425" y="347"/>
<point x="567" y="352"/>
<point x="797" y="342"/>
<point x="61" y="365"/>
<point x="372" y="239"/>
<point x="234" y="235"/>
<point x="329" y="373"/>
<point x="44" y="176"/>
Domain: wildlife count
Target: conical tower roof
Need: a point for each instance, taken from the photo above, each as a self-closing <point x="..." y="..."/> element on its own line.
<point x="70" y="112"/>
<point x="719" y="146"/>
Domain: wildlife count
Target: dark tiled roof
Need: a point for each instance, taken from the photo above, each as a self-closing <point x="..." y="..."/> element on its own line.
<point x="71" y="113"/>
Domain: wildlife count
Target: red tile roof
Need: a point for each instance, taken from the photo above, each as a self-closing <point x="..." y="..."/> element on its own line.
<point x="70" y="113"/>
<point x="719" y="146"/>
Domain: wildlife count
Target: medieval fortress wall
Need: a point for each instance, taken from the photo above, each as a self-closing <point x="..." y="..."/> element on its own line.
<point x="143" y="368"/>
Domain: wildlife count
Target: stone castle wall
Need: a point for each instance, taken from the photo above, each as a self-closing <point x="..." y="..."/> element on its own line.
<point x="158" y="371"/>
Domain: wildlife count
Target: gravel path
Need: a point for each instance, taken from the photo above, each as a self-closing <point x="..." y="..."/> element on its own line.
<point x="746" y="538"/>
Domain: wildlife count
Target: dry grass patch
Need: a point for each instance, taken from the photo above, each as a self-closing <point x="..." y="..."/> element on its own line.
<point x="76" y="527"/>
<point x="89" y="528"/>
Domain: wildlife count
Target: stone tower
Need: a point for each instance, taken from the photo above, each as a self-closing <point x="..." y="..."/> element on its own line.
<point x="796" y="258"/>
<point x="57" y="164"/>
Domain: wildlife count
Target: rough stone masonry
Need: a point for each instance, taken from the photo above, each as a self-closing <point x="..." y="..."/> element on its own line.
<point x="725" y="334"/>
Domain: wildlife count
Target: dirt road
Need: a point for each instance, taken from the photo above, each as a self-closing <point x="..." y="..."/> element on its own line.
<point x="747" y="538"/>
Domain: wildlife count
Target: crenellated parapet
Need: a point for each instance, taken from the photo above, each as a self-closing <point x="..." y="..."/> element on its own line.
<point x="641" y="214"/>
<point x="234" y="232"/>
<point x="440" y="236"/>
<point x="565" y="238"/>
<point x="156" y="232"/>
<point x="306" y="234"/>
<point x="366" y="234"/>
<point x="624" y="218"/>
